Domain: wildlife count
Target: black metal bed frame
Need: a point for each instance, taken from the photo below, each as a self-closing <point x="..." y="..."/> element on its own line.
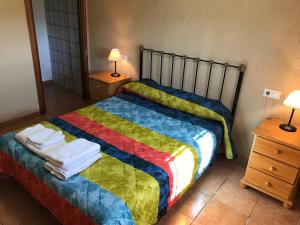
<point x="241" y="68"/>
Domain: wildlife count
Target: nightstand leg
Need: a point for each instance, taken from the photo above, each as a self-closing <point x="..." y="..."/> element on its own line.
<point x="287" y="205"/>
<point x="242" y="185"/>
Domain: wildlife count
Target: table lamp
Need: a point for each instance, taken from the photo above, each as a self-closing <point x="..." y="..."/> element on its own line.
<point x="115" y="56"/>
<point x="292" y="101"/>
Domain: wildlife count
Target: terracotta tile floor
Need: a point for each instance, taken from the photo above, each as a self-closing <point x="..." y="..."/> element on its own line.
<point x="216" y="199"/>
<point x="60" y="100"/>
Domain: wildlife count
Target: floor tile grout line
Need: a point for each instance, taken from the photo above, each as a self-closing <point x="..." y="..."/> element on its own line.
<point x="200" y="210"/>
<point x="213" y="195"/>
<point x="225" y="181"/>
<point x="210" y="197"/>
<point x="249" y="217"/>
<point x="203" y="207"/>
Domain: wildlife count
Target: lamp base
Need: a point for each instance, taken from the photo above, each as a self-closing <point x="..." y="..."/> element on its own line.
<point x="288" y="128"/>
<point x="115" y="75"/>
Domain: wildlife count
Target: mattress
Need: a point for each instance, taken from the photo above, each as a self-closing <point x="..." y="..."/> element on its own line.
<point x="156" y="142"/>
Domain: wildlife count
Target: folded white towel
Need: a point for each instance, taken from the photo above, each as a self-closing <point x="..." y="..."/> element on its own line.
<point x="73" y="152"/>
<point x="70" y="165"/>
<point x="22" y="135"/>
<point x="42" y="152"/>
<point x="39" y="136"/>
<point x="45" y="138"/>
<point x="58" y="140"/>
<point x="66" y="174"/>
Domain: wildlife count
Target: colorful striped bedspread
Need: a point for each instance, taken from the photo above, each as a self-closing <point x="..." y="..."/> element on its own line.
<point x="156" y="142"/>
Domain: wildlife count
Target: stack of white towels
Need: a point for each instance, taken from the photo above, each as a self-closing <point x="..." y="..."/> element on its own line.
<point x="63" y="159"/>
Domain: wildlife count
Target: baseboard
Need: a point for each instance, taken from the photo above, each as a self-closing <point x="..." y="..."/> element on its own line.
<point x="48" y="82"/>
<point x="19" y="119"/>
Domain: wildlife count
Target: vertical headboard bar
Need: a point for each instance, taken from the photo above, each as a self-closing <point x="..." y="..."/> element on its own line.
<point x="183" y="72"/>
<point x="238" y="89"/>
<point x="151" y="56"/>
<point x="161" y="66"/>
<point x="223" y="80"/>
<point x="141" y="61"/>
<point x="209" y="76"/>
<point x="172" y="69"/>
<point x="196" y="75"/>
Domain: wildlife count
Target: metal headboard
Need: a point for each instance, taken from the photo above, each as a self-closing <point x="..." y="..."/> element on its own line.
<point x="241" y="68"/>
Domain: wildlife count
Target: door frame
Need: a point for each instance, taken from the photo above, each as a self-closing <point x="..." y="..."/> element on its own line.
<point x="35" y="52"/>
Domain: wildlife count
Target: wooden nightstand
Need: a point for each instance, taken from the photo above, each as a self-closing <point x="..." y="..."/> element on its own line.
<point x="274" y="162"/>
<point x="102" y="85"/>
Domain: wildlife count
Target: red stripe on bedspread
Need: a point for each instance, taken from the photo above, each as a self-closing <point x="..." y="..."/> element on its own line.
<point x="126" y="144"/>
<point x="63" y="210"/>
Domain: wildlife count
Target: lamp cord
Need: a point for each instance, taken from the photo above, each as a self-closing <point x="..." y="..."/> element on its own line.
<point x="266" y="102"/>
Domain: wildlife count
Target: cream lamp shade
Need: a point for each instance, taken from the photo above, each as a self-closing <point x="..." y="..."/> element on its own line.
<point x="114" y="55"/>
<point x="293" y="100"/>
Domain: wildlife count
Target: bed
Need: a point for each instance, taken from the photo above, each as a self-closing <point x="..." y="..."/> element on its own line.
<point x="156" y="142"/>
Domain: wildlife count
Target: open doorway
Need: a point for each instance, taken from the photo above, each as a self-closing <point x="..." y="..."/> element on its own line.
<point x="58" y="34"/>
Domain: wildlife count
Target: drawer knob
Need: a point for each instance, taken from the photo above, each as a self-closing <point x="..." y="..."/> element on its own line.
<point x="268" y="184"/>
<point x="277" y="151"/>
<point x="272" y="168"/>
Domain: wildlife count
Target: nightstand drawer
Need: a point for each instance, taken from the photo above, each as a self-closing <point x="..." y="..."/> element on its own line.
<point x="98" y="95"/>
<point x="277" y="151"/>
<point x="102" y="85"/>
<point x="96" y="85"/>
<point x="272" y="167"/>
<point x="268" y="183"/>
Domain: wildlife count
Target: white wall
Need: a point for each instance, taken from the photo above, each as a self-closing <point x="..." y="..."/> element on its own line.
<point x="18" y="95"/>
<point x="264" y="34"/>
<point x="42" y="38"/>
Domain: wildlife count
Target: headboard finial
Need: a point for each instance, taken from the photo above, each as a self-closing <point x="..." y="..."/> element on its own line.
<point x="242" y="68"/>
<point x="141" y="48"/>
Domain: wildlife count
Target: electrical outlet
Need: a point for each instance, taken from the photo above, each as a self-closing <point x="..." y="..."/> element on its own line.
<point x="271" y="93"/>
<point x="124" y="57"/>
